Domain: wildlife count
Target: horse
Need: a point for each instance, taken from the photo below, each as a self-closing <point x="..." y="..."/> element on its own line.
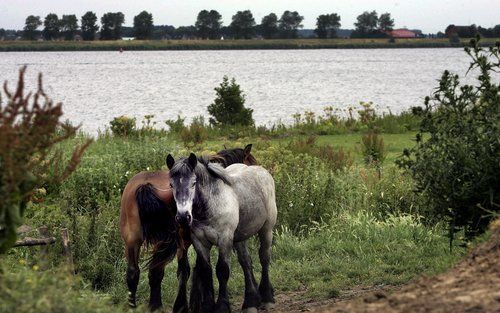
<point x="223" y="208"/>
<point x="147" y="214"/>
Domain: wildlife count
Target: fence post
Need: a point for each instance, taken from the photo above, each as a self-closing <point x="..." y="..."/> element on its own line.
<point x="44" y="249"/>
<point x="67" y="250"/>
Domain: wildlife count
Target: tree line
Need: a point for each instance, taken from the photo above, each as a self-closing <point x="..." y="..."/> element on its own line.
<point x="209" y="25"/>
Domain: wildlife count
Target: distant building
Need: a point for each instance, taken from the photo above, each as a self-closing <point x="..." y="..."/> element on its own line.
<point x="401" y="33"/>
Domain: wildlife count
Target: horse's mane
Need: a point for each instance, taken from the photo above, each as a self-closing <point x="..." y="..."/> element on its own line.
<point x="205" y="171"/>
<point x="227" y="157"/>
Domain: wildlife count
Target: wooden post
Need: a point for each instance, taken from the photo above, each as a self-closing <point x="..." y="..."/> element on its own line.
<point x="44" y="250"/>
<point x="67" y="250"/>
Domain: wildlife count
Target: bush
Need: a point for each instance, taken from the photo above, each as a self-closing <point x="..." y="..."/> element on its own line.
<point x="373" y="148"/>
<point x="228" y="107"/>
<point x="176" y="126"/>
<point x="123" y="126"/>
<point x="196" y="133"/>
<point x="458" y="166"/>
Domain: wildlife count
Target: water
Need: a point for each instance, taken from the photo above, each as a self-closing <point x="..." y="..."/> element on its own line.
<point x="97" y="86"/>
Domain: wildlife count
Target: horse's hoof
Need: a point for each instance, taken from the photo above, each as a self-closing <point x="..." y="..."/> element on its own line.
<point x="268" y="306"/>
<point x="250" y="310"/>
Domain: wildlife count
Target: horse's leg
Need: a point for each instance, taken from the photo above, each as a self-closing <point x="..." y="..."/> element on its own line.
<point x="252" y="298"/>
<point x="133" y="271"/>
<point x="202" y="277"/>
<point x="156" y="273"/>
<point x="265" y="287"/>
<point x="222" y="270"/>
<point x="183" y="269"/>
<point x="195" y="297"/>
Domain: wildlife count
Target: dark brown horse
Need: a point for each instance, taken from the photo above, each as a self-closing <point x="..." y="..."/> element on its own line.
<point x="147" y="215"/>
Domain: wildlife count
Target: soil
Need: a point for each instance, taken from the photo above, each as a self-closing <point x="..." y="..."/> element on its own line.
<point x="471" y="286"/>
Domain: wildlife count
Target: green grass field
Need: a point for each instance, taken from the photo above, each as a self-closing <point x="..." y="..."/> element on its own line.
<point x="336" y="229"/>
<point x="232" y="44"/>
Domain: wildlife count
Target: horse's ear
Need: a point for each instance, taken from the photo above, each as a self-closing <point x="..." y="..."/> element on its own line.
<point x="192" y="160"/>
<point x="247" y="149"/>
<point x="170" y="161"/>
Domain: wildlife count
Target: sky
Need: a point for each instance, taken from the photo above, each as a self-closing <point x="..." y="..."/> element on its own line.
<point x="430" y="16"/>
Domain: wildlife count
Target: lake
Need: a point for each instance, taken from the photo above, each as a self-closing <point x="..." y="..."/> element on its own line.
<point x="97" y="86"/>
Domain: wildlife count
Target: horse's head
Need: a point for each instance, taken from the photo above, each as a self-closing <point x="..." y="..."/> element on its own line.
<point x="236" y="155"/>
<point x="183" y="184"/>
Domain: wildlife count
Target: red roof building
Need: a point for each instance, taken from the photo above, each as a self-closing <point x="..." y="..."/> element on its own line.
<point x="401" y="33"/>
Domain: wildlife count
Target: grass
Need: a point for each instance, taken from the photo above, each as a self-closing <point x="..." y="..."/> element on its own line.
<point x="232" y="44"/>
<point x="337" y="228"/>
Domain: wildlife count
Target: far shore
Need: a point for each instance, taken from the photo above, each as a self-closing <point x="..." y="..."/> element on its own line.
<point x="252" y="44"/>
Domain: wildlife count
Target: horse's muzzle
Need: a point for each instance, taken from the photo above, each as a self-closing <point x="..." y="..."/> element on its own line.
<point x="184" y="219"/>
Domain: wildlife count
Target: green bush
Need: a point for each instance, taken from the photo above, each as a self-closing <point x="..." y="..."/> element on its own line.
<point x="228" y="107"/>
<point x="196" y="133"/>
<point x="122" y="126"/>
<point x="176" y="126"/>
<point x="458" y="166"/>
<point x="373" y="148"/>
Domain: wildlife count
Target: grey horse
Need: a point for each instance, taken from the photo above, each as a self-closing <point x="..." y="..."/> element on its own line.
<point x="225" y="207"/>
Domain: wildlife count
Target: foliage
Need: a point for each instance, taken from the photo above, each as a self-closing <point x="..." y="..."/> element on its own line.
<point x="457" y="166"/>
<point x="208" y="24"/>
<point x="143" y="25"/>
<point x="176" y="126"/>
<point x="243" y="24"/>
<point x="31" y="25"/>
<point x="327" y="25"/>
<point x="289" y="23"/>
<point x="269" y="26"/>
<point x="89" y="26"/>
<point x="111" y="26"/>
<point x="373" y="148"/>
<point x="51" y="27"/>
<point x="69" y="26"/>
<point x="367" y="22"/>
<point x="30" y="127"/>
<point x="196" y="132"/>
<point x="228" y="107"/>
<point x="123" y="126"/>
<point x="385" y="22"/>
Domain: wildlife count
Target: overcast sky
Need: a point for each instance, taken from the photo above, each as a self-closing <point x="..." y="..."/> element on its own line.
<point x="427" y="15"/>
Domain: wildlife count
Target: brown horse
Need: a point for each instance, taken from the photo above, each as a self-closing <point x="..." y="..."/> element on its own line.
<point x="147" y="214"/>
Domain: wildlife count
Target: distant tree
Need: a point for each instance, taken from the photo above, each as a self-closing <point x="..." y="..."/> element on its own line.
<point x="186" y="32"/>
<point x="327" y="25"/>
<point x="496" y="31"/>
<point x="89" y="25"/>
<point x="243" y="24"/>
<point x="143" y="25"/>
<point x="69" y="26"/>
<point x="51" y="26"/>
<point x="111" y="26"/>
<point x="30" y="26"/>
<point x="289" y="23"/>
<point x="385" y="22"/>
<point x="366" y="25"/>
<point x="2" y="33"/>
<point x="269" y="26"/>
<point x="208" y="24"/>
<point x="228" y="107"/>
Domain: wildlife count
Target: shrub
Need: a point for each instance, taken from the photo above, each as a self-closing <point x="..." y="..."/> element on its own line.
<point x="228" y="107"/>
<point x="196" y="133"/>
<point x="123" y="126"/>
<point x="30" y="127"/>
<point x="373" y="148"/>
<point x="176" y="126"/>
<point x="458" y="166"/>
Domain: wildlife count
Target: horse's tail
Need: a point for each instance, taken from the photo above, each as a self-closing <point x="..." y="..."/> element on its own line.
<point x="157" y="221"/>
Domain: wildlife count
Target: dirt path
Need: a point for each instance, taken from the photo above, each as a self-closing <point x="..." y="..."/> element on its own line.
<point x="472" y="286"/>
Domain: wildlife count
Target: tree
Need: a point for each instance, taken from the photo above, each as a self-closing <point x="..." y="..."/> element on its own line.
<point x="51" y="26"/>
<point x="111" y="26"/>
<point x="243" y="24"/>
<point x="2" y="33"/>
<point x="366" y="24"/>
<point x="69" y="26"/>
<point x="208" y="24"/>
<point x="289" y="23"/>
<point x="89" y="26"/>
<point x="327" y="25"/>
<point x="143" y="25"/>
<point x="456" y="167"/>
<point x="228" y="107"/>
<point x="269" y="26"/>
<point x="385" y="22"/>
<point x="30" y="28"/>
